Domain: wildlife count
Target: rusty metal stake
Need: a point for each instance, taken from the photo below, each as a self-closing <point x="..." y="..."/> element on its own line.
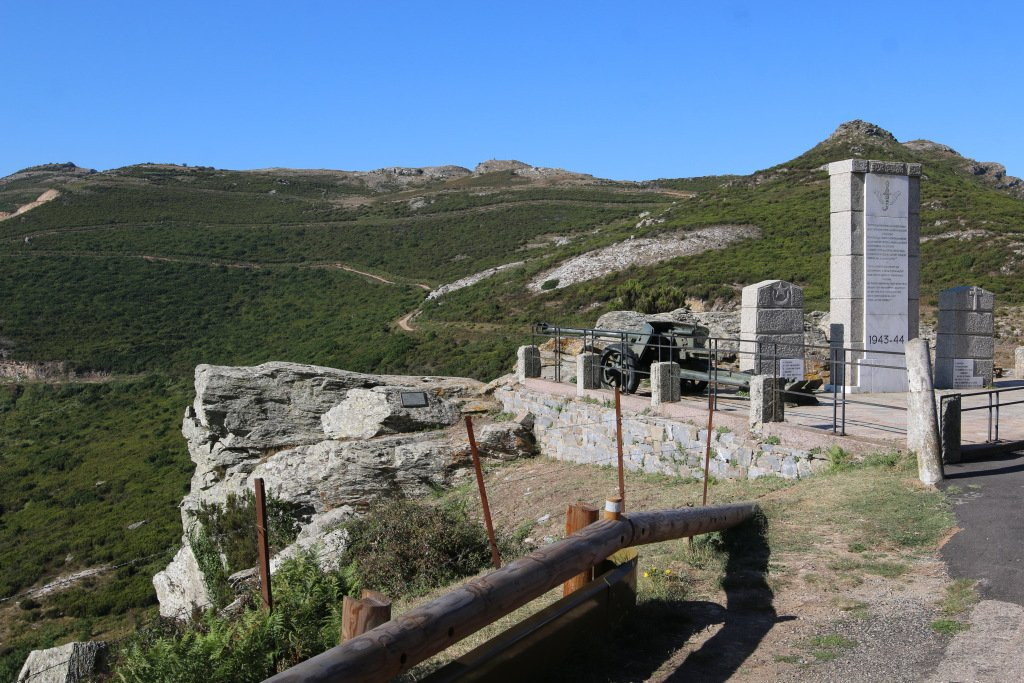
<point x="263" y="546"/>
<point x="618" y="442"/>
<point x="495" y="555"/>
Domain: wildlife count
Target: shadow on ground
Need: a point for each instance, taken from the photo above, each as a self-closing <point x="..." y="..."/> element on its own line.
<point x="643" y="643"/>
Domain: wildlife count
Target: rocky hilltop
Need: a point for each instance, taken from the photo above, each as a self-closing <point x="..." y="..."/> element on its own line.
<point x="329" y="442"/>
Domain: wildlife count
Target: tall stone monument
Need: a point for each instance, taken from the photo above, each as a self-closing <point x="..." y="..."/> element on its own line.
<point x="772" y="329"/>
<point x="965" y="342"/>
<point x="875" y="267"/>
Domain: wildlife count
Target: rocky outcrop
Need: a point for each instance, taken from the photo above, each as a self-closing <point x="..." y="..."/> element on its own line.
<point x="470" y="280"/>
<point x="180" y="588"/>
<point x="331" y="442"/>
<point x="498" y="165"/>
<point x="642" y="251"/>
<point x="70" y="663"/>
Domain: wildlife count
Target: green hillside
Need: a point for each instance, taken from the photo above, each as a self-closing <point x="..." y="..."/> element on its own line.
<point x="140" y="273"/>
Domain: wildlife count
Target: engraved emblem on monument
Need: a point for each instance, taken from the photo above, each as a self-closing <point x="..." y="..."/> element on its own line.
<point x="782" y="294"/>
<point x="887" y="197"/>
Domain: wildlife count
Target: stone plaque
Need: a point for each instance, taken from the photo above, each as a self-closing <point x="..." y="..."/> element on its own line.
<point x="886" y="280"/>
<point x="791" y="368"/>
<point x="414" y="399"/>
<point x="963" y="374"/>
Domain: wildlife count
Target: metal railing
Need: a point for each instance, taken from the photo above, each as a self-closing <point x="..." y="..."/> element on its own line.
<point x="708" y="363"/>
<point x="993" y="402"/>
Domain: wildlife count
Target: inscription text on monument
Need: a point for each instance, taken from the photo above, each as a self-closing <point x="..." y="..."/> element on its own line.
<point x="886" y="279"/>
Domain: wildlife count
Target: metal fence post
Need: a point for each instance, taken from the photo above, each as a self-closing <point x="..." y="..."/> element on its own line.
<point x="262" y="546"/>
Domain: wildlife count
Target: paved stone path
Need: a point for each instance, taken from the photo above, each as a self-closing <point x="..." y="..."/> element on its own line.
<point x="991" y="651"/>
<point x="989" y="509"/>
<point x="990" y="549"/>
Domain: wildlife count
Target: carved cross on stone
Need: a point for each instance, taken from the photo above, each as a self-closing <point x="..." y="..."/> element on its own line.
<point x="975" y="294"/>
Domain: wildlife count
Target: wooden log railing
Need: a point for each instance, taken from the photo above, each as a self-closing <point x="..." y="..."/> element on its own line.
<point x="386" y="651"/>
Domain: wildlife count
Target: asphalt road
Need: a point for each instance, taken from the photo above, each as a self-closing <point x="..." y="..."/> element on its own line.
<point x="990" y="509"/>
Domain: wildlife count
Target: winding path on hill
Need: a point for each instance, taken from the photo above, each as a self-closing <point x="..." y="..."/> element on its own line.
<point x="47" y="196"/>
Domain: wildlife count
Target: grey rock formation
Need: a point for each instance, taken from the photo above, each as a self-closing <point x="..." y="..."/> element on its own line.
<point x="496" y="165"/>
<point x="68" y="663"/>
<point x="366" y="413"/>
<point x="180" y="589"/>
<point x="330" y="441"/>
<point x="505" y="440"/>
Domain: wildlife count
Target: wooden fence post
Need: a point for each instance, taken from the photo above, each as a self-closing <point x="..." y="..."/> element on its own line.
<point x="577" y="516"/>
<point x="359" y="616"/>
<point x="263" y="547"/>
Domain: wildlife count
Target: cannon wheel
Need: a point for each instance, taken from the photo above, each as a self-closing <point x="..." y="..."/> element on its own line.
<point x="692" y="386"/>
<point x="619" y="367"/>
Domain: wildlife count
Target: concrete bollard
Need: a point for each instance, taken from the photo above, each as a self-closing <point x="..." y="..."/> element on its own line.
<point x="664" y="383"/>
<point x="951" y="431"/>
<point x="588" y="372"/>
<point x="527" y="363"/>
<point x="766" y="400"/>
<point x="922" y="419"/>
<point x="1018" y="363"/>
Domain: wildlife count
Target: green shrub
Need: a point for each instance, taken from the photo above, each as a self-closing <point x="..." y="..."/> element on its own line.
<point x="232" y="527"/>
<point x="249" y="647"/>
<point x="549" y="284"/>
<point x="838" y="459"/>
<point x="405" y="547"/>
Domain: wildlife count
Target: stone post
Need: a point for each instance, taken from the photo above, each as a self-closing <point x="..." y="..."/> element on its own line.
<point x="772" y="329"/>
<point x="922" y="420"/>
<point x="950" y="435"/>
<point x="588" y="372"/>
<point x="875" y="264"/>
<point x="527" y="363"/>
<point x="1018" y="363"/>
<point x="766" y="400"/>
<point x="964" y="342"/>
<point x="664" y="383"/>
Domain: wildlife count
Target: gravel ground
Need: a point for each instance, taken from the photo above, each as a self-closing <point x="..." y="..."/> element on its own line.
<point x="896" y="643"/>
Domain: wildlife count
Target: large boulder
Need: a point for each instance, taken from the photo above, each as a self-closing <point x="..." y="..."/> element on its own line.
<point x="70" y="663"/>
<point x="366" y="413"/>
<point x="180" y="588"/>
<point x="330" y="442"/>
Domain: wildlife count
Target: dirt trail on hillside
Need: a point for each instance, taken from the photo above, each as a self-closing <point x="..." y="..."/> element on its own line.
<point x="405" y="322"/>
<point x="47" y="196"/>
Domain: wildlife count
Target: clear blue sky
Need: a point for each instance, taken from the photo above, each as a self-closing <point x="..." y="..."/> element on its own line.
<point x="630" y="90"/>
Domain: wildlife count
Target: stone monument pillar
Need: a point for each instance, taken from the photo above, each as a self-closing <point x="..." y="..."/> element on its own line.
<point x="772" y="329"/>
<point x="665" y="386"/>
<point x="527" y="363"/>
<point x="964" y="343"/>
<point x="588" y="372"/>
<point x="875" y="266"/>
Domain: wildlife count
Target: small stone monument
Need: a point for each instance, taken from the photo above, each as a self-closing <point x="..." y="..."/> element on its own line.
<point x="665" y="386"/>
<point x="964" y="343"/>
<point x="1018" y="362"/>
<point x="527" y="362"/>
<point x="772" y="329"/>
<point x="766" y="400"/>
<point x="588" y="372"/>
<point x="875" y="266"/>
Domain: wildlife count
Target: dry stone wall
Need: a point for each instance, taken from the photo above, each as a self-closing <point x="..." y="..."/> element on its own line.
<point x="651" y="444"/>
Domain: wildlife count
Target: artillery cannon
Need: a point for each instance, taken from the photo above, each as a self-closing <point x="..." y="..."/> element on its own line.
<point x="624" y="361"/>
